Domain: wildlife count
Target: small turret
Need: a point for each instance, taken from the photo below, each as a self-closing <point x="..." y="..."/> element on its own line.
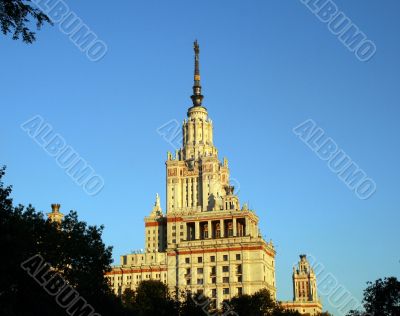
<point x="157" y="211"/>
<point x="55" y="215"/>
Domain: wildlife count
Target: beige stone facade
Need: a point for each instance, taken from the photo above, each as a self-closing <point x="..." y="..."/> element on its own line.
<point x="305" y="294"/>
<point x="205" y="241"/>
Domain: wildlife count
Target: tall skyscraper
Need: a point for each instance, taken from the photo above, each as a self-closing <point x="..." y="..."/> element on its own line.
<point x="206" y="242"/>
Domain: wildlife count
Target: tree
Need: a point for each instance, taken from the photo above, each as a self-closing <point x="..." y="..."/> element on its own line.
<point x="74" y="251"/>
<point x="150" y="298"/>
<point x="260" y="303"/>
<point x="381" y="297"/>
<point x="279" y="311"/>
<point x="15" y="17"/>
<point x="195" y="304"/>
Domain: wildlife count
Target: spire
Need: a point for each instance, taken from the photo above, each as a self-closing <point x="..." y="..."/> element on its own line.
<point x="158" y="203"/>
<point x="157" y="211"/>
<point x="197" y="97"/>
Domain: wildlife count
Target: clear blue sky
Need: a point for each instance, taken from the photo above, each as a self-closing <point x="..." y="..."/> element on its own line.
<point x="266" y="67"/>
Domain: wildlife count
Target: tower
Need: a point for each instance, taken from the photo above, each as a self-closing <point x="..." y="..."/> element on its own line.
<point x="204" y="242"/>
<point x="196" y="180"/>
<point x="304" y="282"/>
<point x="155" y="234"/>
<point x="305" y="296"/>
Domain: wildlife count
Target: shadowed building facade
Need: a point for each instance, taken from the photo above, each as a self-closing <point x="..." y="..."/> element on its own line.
<point x="205" y="242"/>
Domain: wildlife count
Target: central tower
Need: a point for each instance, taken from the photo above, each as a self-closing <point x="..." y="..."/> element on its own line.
<point x="196" y="180"/>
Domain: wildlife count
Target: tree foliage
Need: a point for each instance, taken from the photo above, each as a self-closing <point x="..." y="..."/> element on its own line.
<point x="382" y="298"/>
<point x="76" y="252"/>
<point x="260" y="303"/>
<point x="195" y="304"/>
<point x="73" y="249"/>
<point x="16" y="17"/>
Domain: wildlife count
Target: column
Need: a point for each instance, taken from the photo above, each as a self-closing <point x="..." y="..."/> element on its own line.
<point x="205" y="192"/>
<point x="184" y="131"/>
<point x="175" y="193"/>
<point x="195" y="131"/>
<point x="185" y="233"/>
<point x="190" y="132"/>
<point x="234" y="227"/>
<point x="195" y="192"/>
<point x="180" y="193"/>
<point x="210" y="133"/>
<point x="197" y="230"/>
<point x="247" y="227"/>
<point x="190" y="191"/>
<point x="221" y="223"/>
<point x="210" y="230"/>
<point x="202" y="133"/>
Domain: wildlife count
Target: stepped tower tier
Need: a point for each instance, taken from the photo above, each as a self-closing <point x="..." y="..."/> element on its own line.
<point x="196" y="180"/>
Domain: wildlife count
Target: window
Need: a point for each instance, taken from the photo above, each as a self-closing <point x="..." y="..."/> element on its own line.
<point x="225" y="291"/>
<point x="213" y="270"/>
<point x="239" y="291"/>
<point x="200" y="259"/>
<point x="238" y="256"/>
<point x="214" y="280"/>
<point x="217" y="230"/>
<point x="230" y="229"/>
<point x="204" y="231"/>
<point x="214" y="293"/>
<point x="212" y="258"/>
<point x="225" y="269"/>
<point x="239" y="269"/>
<point x="200" y="270"/>
<point x="188" y="281"/>
<point x="225" y="257"/>
<point x="200" y="282"/>
<point x="240" y="279"/>
<point x="187" y="260"/>
<point x="225" y="280"/>
<point x="173" y="227"/>
<point x="188" y="271"/>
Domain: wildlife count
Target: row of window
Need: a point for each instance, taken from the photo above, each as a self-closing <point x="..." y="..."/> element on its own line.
<point x="174" y="227"/>
<point x="225" y="291"/>
<point x="138" y="277"/>
<point x="226" y="280"/>
<point x="212" y="258"/>
<point x="214" y="270"/>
